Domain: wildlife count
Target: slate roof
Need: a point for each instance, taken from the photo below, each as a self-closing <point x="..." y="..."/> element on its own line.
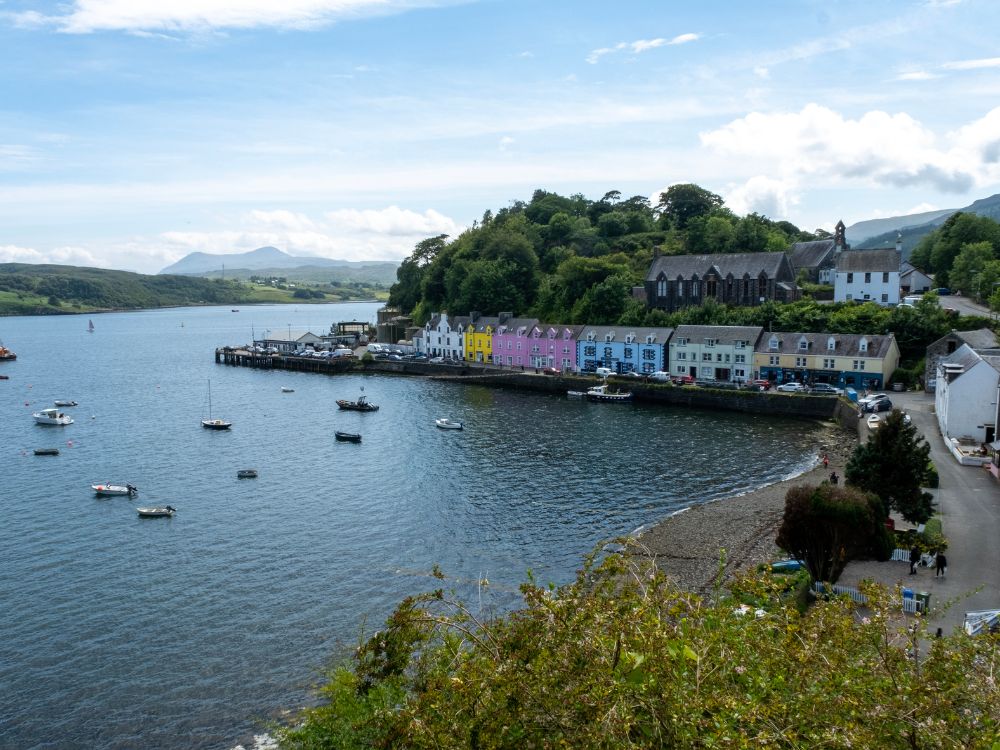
<point x="981" y="338"/>
<point x="967" y="358"/>
<point x="811" y="254"/>
<point x="738" y="264"/>
<point x="875" y="261"/>
<point x="510" y="326"/>
<point x="662" y="335"/>
<point x="560" y="327"/>
<point x="722" y="334"/>
<point x="847" y="344"/>
<point x="483" y="321"/>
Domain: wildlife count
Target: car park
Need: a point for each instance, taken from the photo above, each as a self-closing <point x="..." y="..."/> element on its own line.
<point x="791" y="387"/>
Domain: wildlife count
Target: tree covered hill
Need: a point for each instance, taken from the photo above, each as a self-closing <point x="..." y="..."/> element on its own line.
<point x="27" y="289"/>
<point x="572" y="259"/>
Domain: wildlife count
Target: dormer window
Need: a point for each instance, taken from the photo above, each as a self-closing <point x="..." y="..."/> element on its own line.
<point x="863" y="345"/>
<point x="741" y="344"/>
<point x="831" y="344"/>
<point x="630" y="338"/>
<point x="610" y="337"/>
<point x="710" y="342"/>
<point x="774" y="343"/>
<point x="590" y="336"/>
<point x="682" y="342"/>
<point x="535" y="333"/>
<point x="650" y="338"/>
<point x="803" y="344"/>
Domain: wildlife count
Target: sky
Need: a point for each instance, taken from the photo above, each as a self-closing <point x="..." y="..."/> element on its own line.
<point x="133" y="132"/>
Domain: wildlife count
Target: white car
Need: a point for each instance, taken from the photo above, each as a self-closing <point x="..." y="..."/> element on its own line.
<point x="660" y="376"/>
<point x="868" y="400"/>
<point x="791" y="388"/>
<point x="436" y="360"/>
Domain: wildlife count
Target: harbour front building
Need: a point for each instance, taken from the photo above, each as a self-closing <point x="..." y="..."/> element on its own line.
<point x="742" y="279"/>
<point x="479" y="336"/>
<point x="714" y="352"/>
<point x="841" y="359"/>
<point x="444" y="336"/>
<point x="622" y="349"/>
<point x="553" y="345"/>
<point x="511" y="342"/>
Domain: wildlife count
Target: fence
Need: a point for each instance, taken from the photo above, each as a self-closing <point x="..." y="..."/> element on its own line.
<point x="910" y="603"/>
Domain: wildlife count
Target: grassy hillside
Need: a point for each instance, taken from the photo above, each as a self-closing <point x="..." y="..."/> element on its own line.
<point x="50" y="289"/>
<point x="373" y="274"/>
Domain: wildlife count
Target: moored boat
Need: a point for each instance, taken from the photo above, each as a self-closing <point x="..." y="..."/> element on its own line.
<point x="6" y="354"/>
<point x="246" y="474"/>
<point x="602" y="393"/>
<point x="114" y="490"/>
<point x="347" y="437"/>
<point x="52" y="416"/>
<point x="286" y="389"/>
<point x="214" y="424"/>
<point x="448" y="424"/>
<point x="575" y="394"/>
<point x="874" y="422"/>
<point x="165" y="511"/>
<point x="46" y="451"/>
<point x="361" y="404"/>
<point x="66" y="403"/>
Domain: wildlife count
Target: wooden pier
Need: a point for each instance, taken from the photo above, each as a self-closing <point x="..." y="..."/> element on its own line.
<point x="244" y="358"/>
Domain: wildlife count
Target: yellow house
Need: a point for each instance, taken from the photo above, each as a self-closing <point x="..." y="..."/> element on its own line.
<point x="479" y="339"/>
<point x="845" y="360"/>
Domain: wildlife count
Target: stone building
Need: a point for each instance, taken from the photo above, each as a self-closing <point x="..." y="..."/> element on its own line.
<point x="978" y="340"/>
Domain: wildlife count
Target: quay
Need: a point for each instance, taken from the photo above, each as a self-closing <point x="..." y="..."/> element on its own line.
<point x="469" y="373"/>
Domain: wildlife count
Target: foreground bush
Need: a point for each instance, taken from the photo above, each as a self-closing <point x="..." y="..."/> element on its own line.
<point x="620" y="658"/>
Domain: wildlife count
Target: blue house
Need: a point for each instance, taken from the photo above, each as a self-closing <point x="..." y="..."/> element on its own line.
<point x="623" y="349"/>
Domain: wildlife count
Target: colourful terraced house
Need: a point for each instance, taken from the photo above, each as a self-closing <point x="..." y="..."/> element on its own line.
<point x="623" y="349"/>
<point x="840" y="359"/>
<point x="479" y="337"/>
<point x="553" y="345"/>
<point x="512" y="342"/>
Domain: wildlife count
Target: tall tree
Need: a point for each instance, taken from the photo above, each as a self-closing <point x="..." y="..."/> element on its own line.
<point x="681" y="203"/>
<point x="893" y="466"/>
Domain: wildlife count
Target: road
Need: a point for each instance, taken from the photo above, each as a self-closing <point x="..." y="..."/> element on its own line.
<point x="964" y="305"/>
<point x="968" y="501"/>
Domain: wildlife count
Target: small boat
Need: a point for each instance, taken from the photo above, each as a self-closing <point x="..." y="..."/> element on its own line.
<point x="66" y="403"/>
<point x="285" y="389"/>
<point x="4" y="377"/>
<point x="114" y="490"/>
<point x="234" y="310"/>
<point x="575" y="394"/>
<point x="246" y="474"/>
<point x="448" y="424"/>
<point x="6" y="354"/>
<point x="360" y="405"/>
<point x="90" y="326"/>
<point x="52" y="416"/>
<point x="214" y="424"/>
<point x="165" y="511"/>
<point x="601" y="393"/>
<point x="46" y="451"/>
<point x="874" y="422"/>
<point x="347" y="437"/>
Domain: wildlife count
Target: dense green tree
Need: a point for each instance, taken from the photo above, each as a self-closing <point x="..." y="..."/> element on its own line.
<point x="893" y="465"/>
<point x="603" y="303"/>
<point x="827" y="526"/>
<point x="938" y="250"/>
<point x="679" y="204"/>
<point x="967" y="270"/>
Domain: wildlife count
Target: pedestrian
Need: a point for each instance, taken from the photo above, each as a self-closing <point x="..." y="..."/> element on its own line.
<point x="826" y="462"/>
<point x="834" y="478"/>
<point x="940" y="565"/>
<point x="914" y="559"/>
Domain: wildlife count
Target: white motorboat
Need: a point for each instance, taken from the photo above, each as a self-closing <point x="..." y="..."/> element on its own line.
<point x="286" y="389"/>
<point x="165" y="511"/>
<point x="448" y="424"/>
<point x="66" y="403"/>
<point x="113" y="490"/>
<point x="575" y="394"/>
<point x="52" y="416"/>
<point x="874" y="422"/>
<point x="602" y="393"/>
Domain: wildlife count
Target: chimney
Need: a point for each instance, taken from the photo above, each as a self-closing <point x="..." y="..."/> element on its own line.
<point x="656" y="252"/>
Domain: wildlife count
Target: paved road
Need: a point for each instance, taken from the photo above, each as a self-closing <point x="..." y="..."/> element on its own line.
<point x="964" y="305"/>
<point x="969" y="503"/>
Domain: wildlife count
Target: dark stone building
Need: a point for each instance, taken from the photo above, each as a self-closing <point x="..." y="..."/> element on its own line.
<point x="818" y="258"/>
<point x="978" y="340"/>
<point x="742" y="279"/>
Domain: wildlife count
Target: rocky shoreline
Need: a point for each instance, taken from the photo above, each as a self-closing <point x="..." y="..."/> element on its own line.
<point x="689" y="544"/>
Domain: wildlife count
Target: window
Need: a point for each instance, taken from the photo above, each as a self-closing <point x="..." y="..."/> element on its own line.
<point x="868" y="277"/>
<point x="727" y="358"/>
<point x="628" y="352"/>
<point x="773" y="343"/>
<point x="828" y="364"/>
<point x="519" y="346"/>
<point x="831" y="344"/>
<point x="850" y="278"/>
<point x="510" y="361"/>
<point x="682" y="342"/>
<point x="859" y="364"/>
<point x="534" y="349"/>
<point x="739" y="373"/>
<point x="648" y="354"/>
<point x="740" y="359"/>
<point x="803" y="344"/>
<point x="741" y="344"/>
<point x="706" y="356"/>
<point x="885" y="277"/>
<point x="680" y="369"/>
<point x="661" y="287"/>
<point x="774" y="360"/>
<point x="590" y="351"/>
<point x="706" y="372"/>
<point x="800" y="361"/>
<point x="607" y="352"/>
<point x="682" y="356"/>
<point x="850" y="297"/>
<point x="863" y="344"/>
<point x="718" y="357"/>
<point x="710" y="342"/>
<point x="694" y="288"/>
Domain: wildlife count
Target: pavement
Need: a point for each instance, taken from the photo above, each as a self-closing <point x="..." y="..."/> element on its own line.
<point x="968" y="501"/>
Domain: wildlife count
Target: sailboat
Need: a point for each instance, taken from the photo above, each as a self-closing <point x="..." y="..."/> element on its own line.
<point x="90" y="326"/>
<point x="214" y="424"/>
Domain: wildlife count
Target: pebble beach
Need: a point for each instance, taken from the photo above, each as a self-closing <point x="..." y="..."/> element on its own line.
<point x="689" y="544"/>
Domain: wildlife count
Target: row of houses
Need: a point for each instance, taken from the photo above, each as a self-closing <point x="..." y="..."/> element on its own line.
<point x="722" y="353"/>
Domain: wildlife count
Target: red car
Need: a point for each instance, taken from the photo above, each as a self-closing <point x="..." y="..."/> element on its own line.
<point x="761" y="385"/>
<point x="552" y="371"/>
<point x="684" y="380"/>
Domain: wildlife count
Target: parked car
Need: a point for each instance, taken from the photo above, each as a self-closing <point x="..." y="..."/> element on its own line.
<point x="684" y="380"/>
<point x="603" y="372"/>
<point x="758" y="385"/>
<point x="552" y="371"/>
<point x="883" y="404"/>
<point x="824" y="389"/>
<point x="863" y="402"/>
<point x="632" y="374"/>
<point x="660" y="376"/>
<point x="942" y="291"/>
<point x="436" y="360"/>
<point x="792" y="387"/>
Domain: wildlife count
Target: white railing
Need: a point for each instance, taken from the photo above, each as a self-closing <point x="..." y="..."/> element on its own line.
<point x="900" y="555"/>
<point x="857" y="596"/>
<point x="911" y="605"/>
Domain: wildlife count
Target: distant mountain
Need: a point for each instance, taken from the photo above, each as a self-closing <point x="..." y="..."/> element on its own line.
<point x="196" y="264"/>
<point x="911" y="229"/>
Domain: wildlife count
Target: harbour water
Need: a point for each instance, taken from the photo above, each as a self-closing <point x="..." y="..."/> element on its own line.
<point x="121" y="632"/>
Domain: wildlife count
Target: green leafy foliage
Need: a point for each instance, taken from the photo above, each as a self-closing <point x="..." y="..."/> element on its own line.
<point x="938" y="252"/>
<point x="892" y="464"/>
<point x="620" y="658"/>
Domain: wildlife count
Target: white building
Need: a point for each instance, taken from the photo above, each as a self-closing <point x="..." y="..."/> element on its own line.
<point x="966" y="394"/>
<point x="714" y="352"/>
<point x="290" y="341"/>
<point x="444" y="337"/>
<point x="867" y="276"/>
<point x="913" y="281"/>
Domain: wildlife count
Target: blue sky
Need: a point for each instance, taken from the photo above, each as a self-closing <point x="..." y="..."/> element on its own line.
<point x="133" y="132"/>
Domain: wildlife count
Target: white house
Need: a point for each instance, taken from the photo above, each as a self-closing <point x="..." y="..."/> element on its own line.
<point x="714" y="352"/>
<point x="966" y="394"/>
<point x="444" y="337"/>
<point x="867" y="276"/>
<point x="291" y="341"/>
<point x="912" y="280"/>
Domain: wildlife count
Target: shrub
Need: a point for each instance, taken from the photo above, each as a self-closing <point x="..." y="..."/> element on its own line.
<point x="931" y="478"/>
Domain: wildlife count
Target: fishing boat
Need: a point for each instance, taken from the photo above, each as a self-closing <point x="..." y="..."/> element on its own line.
<point x="210" y="423"/>
<point x="165" y="511"/>
<point x="52" y="416"/>
<point x="361" y="404"/>
<point x="46" y="451"/>
<point x="246" y="474"/>
<point x="285" y="389"/>
<point x="602" y="393"/>
<point x="66" y="403"/>
<point x="90" y="326"/>
<point x="347" y="437"/>
<point x="114" y="490"/>
<point x="6" y="354"/>
<point x="448" y="424"/>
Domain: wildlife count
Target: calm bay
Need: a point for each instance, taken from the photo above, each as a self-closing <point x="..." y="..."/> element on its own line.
<point x="123" y="632"/>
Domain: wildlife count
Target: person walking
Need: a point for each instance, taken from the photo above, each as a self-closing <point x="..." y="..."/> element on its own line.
<point x="940" y="565"/>
<point x="826" y="461"/>
<point x="834" y="478"/>
<point x="914" y="559"/>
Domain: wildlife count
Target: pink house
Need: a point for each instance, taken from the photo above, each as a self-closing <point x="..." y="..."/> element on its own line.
<point x="510" y="342"/>
<point x="553" y="345"/>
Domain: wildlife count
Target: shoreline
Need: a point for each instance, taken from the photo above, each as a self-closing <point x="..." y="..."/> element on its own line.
<point x="688" y="544"/>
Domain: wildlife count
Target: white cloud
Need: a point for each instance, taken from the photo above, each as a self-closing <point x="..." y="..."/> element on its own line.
<point x="878" y="147"/>
<point x="639" y="46"/>
<point x="917" y="75"/>
<point x="764" y="195"/>
<point x="67" y="255"/>
<point x="985" y="62"/>
<point x="762" y="72"/>
<point x="394" y="221"/>
<point x="505" y="142"/>
<point x="87" y="16"/>
<point x="281" y="220"/>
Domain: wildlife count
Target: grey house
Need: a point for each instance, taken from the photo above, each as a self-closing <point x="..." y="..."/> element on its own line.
<point x="742" y="279"/>
<point x="978" y="340"/>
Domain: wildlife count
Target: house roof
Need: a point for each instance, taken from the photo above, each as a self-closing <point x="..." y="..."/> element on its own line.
<point x="965" y="358"/>
<point x="877" y="261"/>
<point x="560" y="327"/>
<point x="661" y="335"/>
<point x="981" y="338"/>
<point x="722" y="334"/>
<point x="811" y="254"/>
<point x="738" y="264"/>
<point x="511" y="325"/>
<point x="484" y="321"/>
<point x="846" y="344"/>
